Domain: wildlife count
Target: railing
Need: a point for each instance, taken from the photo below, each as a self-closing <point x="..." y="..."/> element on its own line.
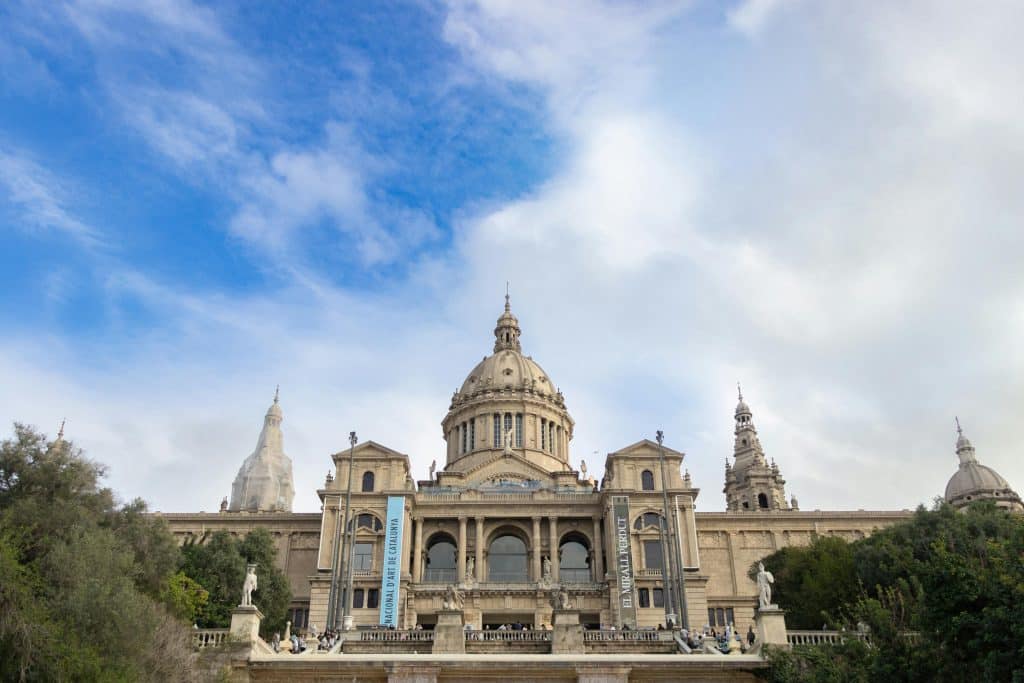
<point x="629" y="636"/>
<point x="821" y="637"/>
<point x="833" y="637"/>
<point x="440" y="575"/>
<point x="648" y="573"/>
<point x="209" y="637"/>
<point x="575" y="575"/>
<point x="525" y="635"/>
<point x="390" y="636"/>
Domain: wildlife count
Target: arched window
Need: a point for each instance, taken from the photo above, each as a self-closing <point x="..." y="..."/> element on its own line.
<point x="368" y="521"/>
<point x="648" y="519"/>
<point x="519" y="430"/>
<point x="497" y="430"/>
<point x="647" y="480"/>
<point x="440" y="560"/>
<point x="506" y="560"/>
<point x="762" y="501"/>
<point x="574" y="560"/>
<point x="367" y="481"/>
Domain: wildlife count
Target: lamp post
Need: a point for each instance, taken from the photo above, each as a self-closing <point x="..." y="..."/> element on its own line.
<point x="675" y="561"/>
<point x="348" y="542"/>
<point x="666" y="552"/>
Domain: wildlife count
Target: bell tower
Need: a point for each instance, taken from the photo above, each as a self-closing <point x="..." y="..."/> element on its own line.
<point x="751" y="484"/>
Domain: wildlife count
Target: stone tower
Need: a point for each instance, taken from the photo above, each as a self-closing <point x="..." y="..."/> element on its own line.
<point x="973" y="481"/>
<point x="264" y="482"/>
<point x="751" y="483"/>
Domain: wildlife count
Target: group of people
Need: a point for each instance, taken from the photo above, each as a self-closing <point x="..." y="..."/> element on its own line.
<point x="299" y="643"/>
<point x="725" y="641"/>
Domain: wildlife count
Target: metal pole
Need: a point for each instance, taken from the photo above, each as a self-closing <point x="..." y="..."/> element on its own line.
<point x="666" y="549"/>
<point x="681" y="573"/>
<point x="347" y="542"/>
<point x="332" y="600"/>
<point x="676" y="559"/>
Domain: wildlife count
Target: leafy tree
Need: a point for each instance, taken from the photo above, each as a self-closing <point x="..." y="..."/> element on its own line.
<point x="219" y="563"/>
<point x="813" y="581"/>
<point x="956" y="578"/>
<point x="80" y="576"/>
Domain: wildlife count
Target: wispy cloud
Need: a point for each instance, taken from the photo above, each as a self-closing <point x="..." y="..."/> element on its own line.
<point x="38" y="200"/>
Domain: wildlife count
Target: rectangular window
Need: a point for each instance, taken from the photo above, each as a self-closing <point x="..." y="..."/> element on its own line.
<point x="659" y="597"/>
<point x="363" y="557"/>
<point x="357" y="598"/>
<point x="519" y="430"/>
<point x="719" y="616"/>
<point x="711" y="616"/>
<point x="551" y="435"/>
<point x="373" y="598"/>
<point x="730" y="619"/>
<point x="465" y="438"/>
<point x="497" y="430"/>
<point x="643" y="597"/>
<point x="508" y="426"/>
<point x="652" y="554"/>
<point x="543" y="434"/>
<point x="472" y="434"/>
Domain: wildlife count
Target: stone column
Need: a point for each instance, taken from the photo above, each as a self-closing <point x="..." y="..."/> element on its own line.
<point x="553" y="525"/>
<point x="537" y="574"/>
<point x="462" y="551"/>
<point x="480" y="549"/>
<point x="417" y="552"/>
<point x="596" y="565"/>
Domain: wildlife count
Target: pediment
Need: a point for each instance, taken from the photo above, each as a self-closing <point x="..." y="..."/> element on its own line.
<point x="370" y="449"/>
<point x="507" y="467"/>
<point x="644" y="448"/>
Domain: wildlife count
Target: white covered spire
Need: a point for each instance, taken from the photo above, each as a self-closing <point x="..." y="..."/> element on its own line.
<point x="264" y="482"/>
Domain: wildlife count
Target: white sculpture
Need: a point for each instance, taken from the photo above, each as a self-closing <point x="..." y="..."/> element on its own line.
<point x="471" y="569"/>
<point x="453" y="599"/>
<point x="547" y="568"/>
<point x="508" y="441"/>
<point x="248" y="586"/>
<point x="764" y="587"/>
<point x="433" y="468"/>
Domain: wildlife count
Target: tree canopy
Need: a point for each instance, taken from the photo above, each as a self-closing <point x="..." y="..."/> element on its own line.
<point x="82" y="578"/>
<point x="955" y="578"/>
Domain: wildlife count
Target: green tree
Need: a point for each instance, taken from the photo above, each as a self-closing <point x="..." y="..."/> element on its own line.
<point x="79" y="575"/>
<point x="218" y="563"/>
<point x="813" y="581"/>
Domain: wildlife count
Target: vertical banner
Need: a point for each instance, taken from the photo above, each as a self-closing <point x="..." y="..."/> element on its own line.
<point x="391" y="573"/>
<point x="625" y="593"/>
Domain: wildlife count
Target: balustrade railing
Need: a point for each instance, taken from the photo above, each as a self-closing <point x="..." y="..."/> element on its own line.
<point x="821" y="637"/>
<point x="209" y="637"/>
<point x="526" y="635"/>
<point x="439" y="575"/>
<point x="390" y="636"/>
<point x="628" y="636"/>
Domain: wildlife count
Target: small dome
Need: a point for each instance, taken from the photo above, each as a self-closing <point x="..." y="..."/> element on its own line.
<point x="974" y="479"/>
<point x="275" y="408"/>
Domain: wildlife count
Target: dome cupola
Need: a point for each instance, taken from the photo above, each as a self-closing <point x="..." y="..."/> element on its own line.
<point x="973" y="481"/>
<point x="508" y="404"/>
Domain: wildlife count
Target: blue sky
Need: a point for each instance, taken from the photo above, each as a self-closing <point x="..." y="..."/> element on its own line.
<point x="200" y="201"/>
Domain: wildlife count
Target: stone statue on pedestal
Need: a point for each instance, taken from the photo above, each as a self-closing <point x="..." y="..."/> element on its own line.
<point x="764" y="587"/>
<point x="508" y="441"/>
<point x="560" y="599"/>
<point x="547" y="569"/>
<point x="471" y="569"/>
<point x="248" y="586"/>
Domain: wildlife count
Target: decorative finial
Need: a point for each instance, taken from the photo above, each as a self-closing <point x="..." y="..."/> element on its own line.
<point x="739" y="390"/>
<point x="660" y="437"/>
<point x="958" y="429"/>
<point x="60" y="432"/>
<point x="508" y="305"/>
<point x="277" y="393"/>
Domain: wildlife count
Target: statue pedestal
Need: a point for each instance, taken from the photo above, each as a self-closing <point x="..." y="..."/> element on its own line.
<point x="449" y="634"/>
<point x="567" y="634"/>
<point x="245" y="623"/>
<point x="770" y="624"/>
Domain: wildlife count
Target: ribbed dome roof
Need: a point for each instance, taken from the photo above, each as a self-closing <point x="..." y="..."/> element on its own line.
<point x="972" y="478"/>
<point x="507" y="368"/>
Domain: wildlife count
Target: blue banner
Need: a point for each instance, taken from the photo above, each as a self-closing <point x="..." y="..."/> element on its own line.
<point x="391" y="575"/>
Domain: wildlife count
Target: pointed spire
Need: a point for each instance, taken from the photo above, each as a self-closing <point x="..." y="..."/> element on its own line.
<point x="277" y="393"/>
<point x="739" y="391"/>
<point x="508" y="305"/>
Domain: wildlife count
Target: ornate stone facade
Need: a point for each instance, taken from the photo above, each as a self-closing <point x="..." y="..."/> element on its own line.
<point x="508" y="519"/>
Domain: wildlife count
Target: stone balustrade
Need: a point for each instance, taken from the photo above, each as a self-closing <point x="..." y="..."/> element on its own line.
<point x="391" y="636"/>
<point x="209" y="637"/>
<point x="627" y="636"/>
<point x="510" y="636"/>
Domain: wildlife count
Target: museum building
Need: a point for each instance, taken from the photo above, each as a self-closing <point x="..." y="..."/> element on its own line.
<point x="508" y="518"/>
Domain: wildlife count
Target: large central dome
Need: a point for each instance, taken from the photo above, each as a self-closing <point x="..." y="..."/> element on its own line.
<point x="506" y="405"/>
